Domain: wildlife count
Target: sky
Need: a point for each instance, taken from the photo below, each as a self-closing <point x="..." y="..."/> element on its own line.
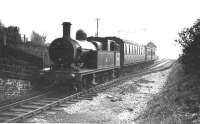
<point x="142" y="21"/>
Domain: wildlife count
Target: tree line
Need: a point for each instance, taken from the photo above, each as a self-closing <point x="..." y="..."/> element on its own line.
<point x="13" y="36"/>
<point x="189" y="39"/>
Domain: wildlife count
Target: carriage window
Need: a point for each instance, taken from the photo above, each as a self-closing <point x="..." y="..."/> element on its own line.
<point x="105" y="46"/>
<point x="127" y="49"/>
<point x="118" y="47"/>
<point x="135" y="50"/>
<point x="142" y="51"/>
<point x="132" y="50"/>
<point x="139" y="50"/>
<point x="112" y="46"/>
<point x="149" y="52"/>
<point x="124" y="48"/>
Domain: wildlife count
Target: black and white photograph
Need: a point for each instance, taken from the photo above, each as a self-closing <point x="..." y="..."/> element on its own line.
<point x="100" y="61"/>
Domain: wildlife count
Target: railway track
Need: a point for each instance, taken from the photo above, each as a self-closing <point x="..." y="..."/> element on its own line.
<point x="19" y="111"/>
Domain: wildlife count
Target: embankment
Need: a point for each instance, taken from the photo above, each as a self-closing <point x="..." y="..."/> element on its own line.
<point x="179" y="101"/>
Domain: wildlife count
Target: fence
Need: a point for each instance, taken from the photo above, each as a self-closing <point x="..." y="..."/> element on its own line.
<point x="20" y="70"/>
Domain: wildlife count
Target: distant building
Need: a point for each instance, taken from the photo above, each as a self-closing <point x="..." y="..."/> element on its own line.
<point x="151" y="44"/>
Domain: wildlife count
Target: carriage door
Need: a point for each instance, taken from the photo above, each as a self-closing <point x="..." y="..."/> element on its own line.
<point x="146" y="53"/>
<point x="116" y="48"/>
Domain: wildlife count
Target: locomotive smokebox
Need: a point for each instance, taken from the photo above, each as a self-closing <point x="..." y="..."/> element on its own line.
<point x="65" y="51"/>
<point x="66" y="30"/>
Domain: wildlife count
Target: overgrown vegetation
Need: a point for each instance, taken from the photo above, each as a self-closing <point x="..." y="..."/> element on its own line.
<point x="189" y="39"/>
<point x="11" y="35"/>
<point x="179" y="103"/>
<point x="38" y="39"/>
<point x="12" y="45"/>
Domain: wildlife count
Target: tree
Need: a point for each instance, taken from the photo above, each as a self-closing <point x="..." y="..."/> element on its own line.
<point x="9" y="35"/>
<point x="13" y="35"/>
<point x="189" y="39"/>
<point x="1" y="24"/>
<point x="1" y="32"/>
<point x="38" y="39"/>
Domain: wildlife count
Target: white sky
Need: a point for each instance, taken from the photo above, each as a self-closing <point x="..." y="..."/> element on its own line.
<point x="142" y="20"/>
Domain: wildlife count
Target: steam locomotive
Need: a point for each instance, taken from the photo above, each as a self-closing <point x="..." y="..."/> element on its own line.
<point x="85" y="62"/>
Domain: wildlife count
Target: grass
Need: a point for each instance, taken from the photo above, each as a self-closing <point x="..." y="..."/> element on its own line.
<point x="179" y="101"/>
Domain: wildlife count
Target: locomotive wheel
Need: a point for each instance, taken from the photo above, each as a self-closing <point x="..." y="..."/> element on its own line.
<point x="78" y="86"/>
<point x="90" y="80"/>
<point x="108" y="76"/>
<point x="98" y="81"/>
<point x="84" y="82"/>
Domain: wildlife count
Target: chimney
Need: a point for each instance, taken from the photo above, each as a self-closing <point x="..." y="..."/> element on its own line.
<point x="66" y="30"/>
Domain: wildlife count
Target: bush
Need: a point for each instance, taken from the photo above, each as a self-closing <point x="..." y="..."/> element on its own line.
<point x="38" y="39"/>
<point x="189" y="39"/>
<point x="11" y="34"/>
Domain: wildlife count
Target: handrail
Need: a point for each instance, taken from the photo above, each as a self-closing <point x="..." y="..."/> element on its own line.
<point x="18" y="66"/>
<point x="15" y="75"/>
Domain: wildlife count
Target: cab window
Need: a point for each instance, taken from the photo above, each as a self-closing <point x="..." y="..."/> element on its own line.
<point x="112" y="46"/>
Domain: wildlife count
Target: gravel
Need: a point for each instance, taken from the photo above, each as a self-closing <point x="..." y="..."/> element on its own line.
<point x="121" y="104"/>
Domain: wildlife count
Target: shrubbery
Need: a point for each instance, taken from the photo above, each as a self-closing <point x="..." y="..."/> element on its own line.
<point x="11" y="33"/>
<point x="38" y="39"/>
<point x="189" y="39"/>
<point x="13" y="36"/>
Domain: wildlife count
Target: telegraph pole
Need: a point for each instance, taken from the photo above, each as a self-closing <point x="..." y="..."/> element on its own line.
<point x="97" y="19"/>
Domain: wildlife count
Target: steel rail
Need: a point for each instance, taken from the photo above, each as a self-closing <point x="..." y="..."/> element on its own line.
<point x="54" y="103"/>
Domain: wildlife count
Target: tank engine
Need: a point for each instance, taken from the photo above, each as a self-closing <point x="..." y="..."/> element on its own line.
<point x="88" y="61"/>
<point x="68" y="56"/>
